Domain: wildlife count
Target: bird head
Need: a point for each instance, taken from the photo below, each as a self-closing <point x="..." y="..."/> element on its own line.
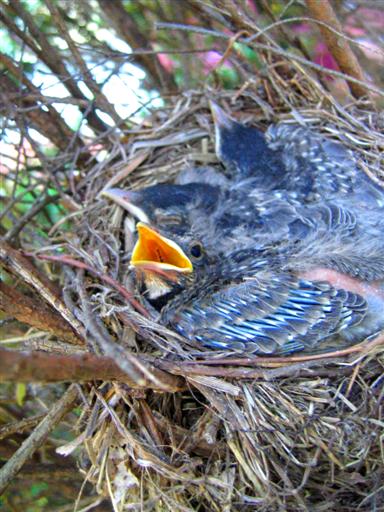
<point x="168" y="207"/>
<point x="168" y="253"/>
<point x="237" y="146"/>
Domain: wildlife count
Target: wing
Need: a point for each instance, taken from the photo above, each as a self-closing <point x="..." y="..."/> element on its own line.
<point x="276" y="314"/>
<point x="321" y="168"/>
<point x="351" y="242"/>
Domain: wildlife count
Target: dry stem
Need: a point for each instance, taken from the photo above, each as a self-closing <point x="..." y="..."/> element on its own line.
<point x="38" y="437"/>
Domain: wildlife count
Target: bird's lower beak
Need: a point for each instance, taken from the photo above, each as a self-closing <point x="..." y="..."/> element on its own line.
<point x="128" y="200"/>
<point x="156" y="253"/>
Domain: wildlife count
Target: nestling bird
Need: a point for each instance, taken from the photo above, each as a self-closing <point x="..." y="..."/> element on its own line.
<point x="292" y="158"/>
<point x="291" y="296"/>
<point x="322" y="274"/>
<point x="245" y="265"/>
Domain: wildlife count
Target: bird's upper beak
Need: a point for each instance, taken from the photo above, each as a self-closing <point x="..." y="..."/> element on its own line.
<point x="127" y="199"/>
<point x="156" y="253"/>
<point x="220" y="118"/>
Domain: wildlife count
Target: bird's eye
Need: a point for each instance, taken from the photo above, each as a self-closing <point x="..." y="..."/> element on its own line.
<point x="196" y="250"/>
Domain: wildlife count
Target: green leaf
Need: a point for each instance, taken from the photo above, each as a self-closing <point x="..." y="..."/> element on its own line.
<point x="21" y="391"/>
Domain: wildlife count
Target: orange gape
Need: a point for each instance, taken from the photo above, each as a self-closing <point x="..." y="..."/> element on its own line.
<point x="158" y="251"/>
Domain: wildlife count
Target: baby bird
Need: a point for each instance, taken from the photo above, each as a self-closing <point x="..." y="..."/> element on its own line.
<point x="279" y="256"/>
<point x="168" y="248"/>
<point x="306" y="275"/>
<point x="290" y="296"/>
<point x="292" y="158"/>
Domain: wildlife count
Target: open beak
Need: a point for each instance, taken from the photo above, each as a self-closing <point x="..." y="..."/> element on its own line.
<point x="220" y="118"/>
<point x="153" y="252"/>
<point x="128" y="200"/>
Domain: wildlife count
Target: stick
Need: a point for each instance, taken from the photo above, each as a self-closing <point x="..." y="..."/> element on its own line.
<point x="37" y="438"/>
<point x="340" y="49"/>
<point x="41" y="367"/>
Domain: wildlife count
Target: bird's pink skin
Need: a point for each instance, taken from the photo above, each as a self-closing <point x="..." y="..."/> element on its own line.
<point x="342" y="281"/>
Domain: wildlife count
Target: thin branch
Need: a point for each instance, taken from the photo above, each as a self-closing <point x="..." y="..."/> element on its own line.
<point x="36" y="313"/>
<point x="100" y="100"/>
<point x="127" y="30"/>
<point x="67" y="260"/>
<point x="269" y="368"/>
<point x="38" y="437"/>
<point x="18" y="427"/>
<point x="50" y="56"/>
<point x="271" y="49"/>
<point x="17" y="264"/>
<point x="47" y="123"/>
<point x="41" y="367"/>
<point x="363" y="348"/>
<point x="40" y="204"/>
<point x="18" y="97"/>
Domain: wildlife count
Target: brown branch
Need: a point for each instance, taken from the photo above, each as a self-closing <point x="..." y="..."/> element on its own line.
<point x="17" y="264"/>
<point x="41" y="367"/>
<point x="62" y="133"/>
<point x="50" y="56"/>
<point x="363" y="348"/>
<point x="24" y="220"/>
<point x="46" y="123"/>
<point x="38" y="437"/>
<point x="66" y="260"/>
<point x="339" y="47"/>
<point x="127" y="30"/>
<point x="17" y="427"/>
<point x="36" y="313"/>
<point x="268" y="368"/>
<point x="100" y="99"/>
<point x="294" y="57"/>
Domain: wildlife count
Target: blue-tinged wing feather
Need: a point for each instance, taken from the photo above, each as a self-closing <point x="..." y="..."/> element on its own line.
<point x="294" y="314"/>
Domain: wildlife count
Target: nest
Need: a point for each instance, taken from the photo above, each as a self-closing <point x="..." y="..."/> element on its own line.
<point x="239" y="433"/>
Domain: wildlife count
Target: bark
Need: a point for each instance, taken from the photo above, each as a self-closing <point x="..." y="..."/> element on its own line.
<point x="36" y="313"/>
<point x="41" y="367"/>
<point x="18" y="427"/>
<point x="20" y="266"/>
<point x="337" y="45"/>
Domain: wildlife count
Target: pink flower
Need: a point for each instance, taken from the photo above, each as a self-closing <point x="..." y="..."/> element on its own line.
<point x="364" y="17"/>
<point x="211" y="59"/>
<point x="302" y="28"/>
<point x="324" y="57"/>
<point x="252" y="6"/>
<point x="374" y="18"/>
<point x="166" y="62"/>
